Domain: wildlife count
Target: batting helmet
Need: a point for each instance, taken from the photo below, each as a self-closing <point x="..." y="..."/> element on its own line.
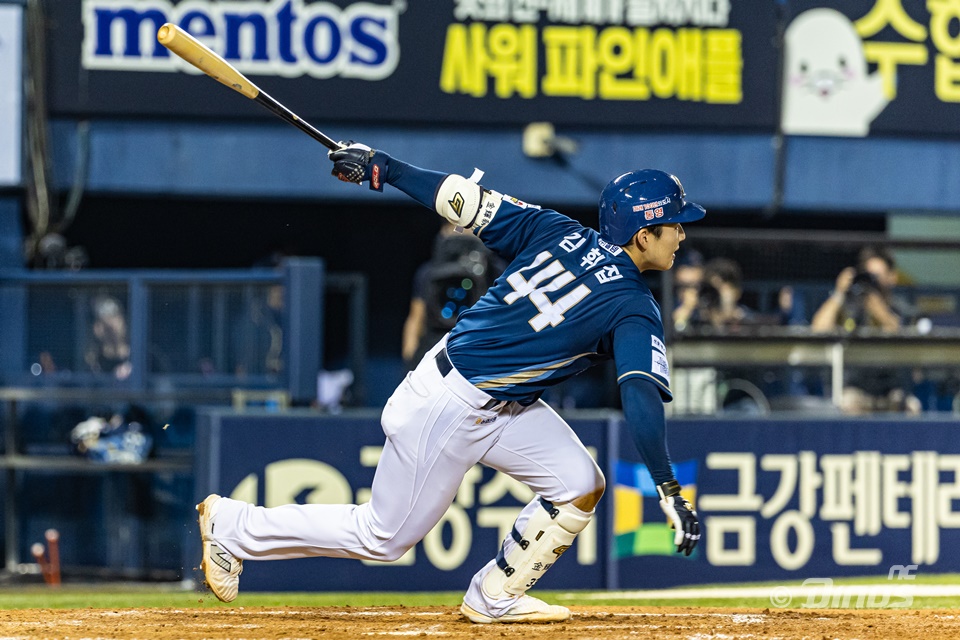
<point x="641" y="199"/>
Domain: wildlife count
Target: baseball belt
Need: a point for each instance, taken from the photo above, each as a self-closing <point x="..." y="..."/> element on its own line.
<point x="444" y="366"/>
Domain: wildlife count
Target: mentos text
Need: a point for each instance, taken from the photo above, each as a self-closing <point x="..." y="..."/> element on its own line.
<point x="284" y="37"/>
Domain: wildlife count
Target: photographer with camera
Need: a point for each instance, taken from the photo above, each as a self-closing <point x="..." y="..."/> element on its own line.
<point x="863" y="298"/>
<point x="708" y="295"/>
<point x="720" y="295"/>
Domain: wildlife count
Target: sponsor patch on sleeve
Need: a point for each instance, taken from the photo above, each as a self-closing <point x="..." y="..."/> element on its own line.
<point x="658" y="344"/>
<point x="660" y="367"/>
<point x="520" y="203"/>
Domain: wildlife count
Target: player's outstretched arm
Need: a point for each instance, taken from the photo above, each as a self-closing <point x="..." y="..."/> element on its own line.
<point x="454" y="197"/>
<point x="643" y="410"/>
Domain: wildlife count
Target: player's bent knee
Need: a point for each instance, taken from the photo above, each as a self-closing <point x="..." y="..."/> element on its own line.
<point x="588" y="502"/>
<point x="583" y="482"/>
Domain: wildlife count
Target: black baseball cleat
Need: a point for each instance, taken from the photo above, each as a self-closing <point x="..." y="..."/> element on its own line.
<point x="221" y="571"/>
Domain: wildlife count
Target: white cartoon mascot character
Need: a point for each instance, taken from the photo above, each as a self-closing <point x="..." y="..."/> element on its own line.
<point x="826" y="87"/>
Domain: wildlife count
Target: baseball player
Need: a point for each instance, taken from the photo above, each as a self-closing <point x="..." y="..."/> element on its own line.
<point x="569" y="299"/>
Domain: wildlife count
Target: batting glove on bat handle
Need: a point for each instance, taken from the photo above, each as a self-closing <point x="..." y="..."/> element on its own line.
<point x="358" y="163"/>
<point x="681" y="515"/>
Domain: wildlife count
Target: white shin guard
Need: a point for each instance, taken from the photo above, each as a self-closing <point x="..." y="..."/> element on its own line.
<point x="548" y="533"/>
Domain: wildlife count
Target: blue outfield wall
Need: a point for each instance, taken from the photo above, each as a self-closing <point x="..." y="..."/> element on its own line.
<point x="779" y="500"/>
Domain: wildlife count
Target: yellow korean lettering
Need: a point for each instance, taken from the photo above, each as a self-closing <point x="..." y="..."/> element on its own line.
<point x="947" y="81"/>
<point x="890" y="12"/>
<point x="724" y="72"/>
<point x="621" y="52"/>
<point x="663" y="67"/>
<point x="947" y="67"/>
<point x="571" y="61"/>
<point x="690" y="65"/>
<point x="888" y="55"/>
<point x="513" y="60"/>
<point x="464" y="68"/>
<point x="473" y="54"/>
<point x="942" y="13"/>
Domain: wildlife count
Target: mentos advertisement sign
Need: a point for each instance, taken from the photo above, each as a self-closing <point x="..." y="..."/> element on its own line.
<point x="285" y="37"/>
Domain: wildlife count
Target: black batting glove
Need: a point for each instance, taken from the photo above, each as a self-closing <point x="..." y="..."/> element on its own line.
<point x="681" y="516"/>
<point x="358" y="163"/>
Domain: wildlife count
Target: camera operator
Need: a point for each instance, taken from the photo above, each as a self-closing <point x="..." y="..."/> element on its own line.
<point x="863" y="297"/>
<point x="459" y="272"/>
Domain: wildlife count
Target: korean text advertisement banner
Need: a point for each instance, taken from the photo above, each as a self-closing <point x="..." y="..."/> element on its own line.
<point x="604" y="62"/>
<point x="793" y="500"/>
<point x="276" y="460"/>
<point x="778" y="499"/>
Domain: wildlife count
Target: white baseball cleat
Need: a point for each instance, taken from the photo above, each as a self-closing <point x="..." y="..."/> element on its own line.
<point x="526" y="609"/>
<point x="221" y="571"/>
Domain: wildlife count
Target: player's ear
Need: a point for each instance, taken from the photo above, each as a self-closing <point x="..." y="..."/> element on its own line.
<point x="641" y="240"/>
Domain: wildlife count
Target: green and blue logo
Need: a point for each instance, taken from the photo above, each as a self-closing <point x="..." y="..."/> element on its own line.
<point x="635" y="496"/>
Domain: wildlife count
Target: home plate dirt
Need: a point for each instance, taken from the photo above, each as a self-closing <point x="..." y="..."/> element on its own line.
<point x="601" y="623"/>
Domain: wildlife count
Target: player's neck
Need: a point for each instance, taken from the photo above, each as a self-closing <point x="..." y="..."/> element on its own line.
<point x="637" y="255"/>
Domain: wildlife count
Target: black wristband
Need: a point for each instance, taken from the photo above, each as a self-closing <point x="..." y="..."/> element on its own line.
<point x="670" y="488"/>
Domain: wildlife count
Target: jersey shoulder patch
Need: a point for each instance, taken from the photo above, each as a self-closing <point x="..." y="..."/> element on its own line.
<point x="519" y="203"/>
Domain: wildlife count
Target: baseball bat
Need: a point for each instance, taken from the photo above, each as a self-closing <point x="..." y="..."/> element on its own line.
<point x="196" y="53"/>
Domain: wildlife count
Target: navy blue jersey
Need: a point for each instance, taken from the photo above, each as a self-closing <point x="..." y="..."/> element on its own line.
<point x="567" y="301"/>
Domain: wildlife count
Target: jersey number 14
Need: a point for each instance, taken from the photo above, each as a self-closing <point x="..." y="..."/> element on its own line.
<point x="548" y="279"/>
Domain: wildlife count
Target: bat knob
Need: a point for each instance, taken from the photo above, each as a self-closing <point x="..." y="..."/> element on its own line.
<point x="165" y="33"/>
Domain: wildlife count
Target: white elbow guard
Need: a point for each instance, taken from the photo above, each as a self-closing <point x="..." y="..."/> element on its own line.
<point x="465" y="203"/>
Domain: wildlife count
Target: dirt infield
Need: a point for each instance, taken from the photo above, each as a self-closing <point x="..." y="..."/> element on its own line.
<point x="601" y="623"/>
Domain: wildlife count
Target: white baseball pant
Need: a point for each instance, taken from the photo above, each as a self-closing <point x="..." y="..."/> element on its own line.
<point x="436" y="431"/>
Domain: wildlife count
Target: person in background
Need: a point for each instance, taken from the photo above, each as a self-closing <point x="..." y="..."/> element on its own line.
<point x="720" y="295"/>
<point x="439" y="293"/>
<point x="109" y="350"/>
<point x="863" y="297"/>
<point x="687" y="281"/>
